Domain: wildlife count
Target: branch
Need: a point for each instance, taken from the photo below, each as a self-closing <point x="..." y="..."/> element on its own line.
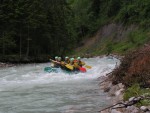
<point x="110" y="106"/>
<point x="126" y="104"/>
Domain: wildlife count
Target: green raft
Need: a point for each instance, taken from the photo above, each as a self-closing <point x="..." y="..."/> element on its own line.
<point x="51" y="69"/>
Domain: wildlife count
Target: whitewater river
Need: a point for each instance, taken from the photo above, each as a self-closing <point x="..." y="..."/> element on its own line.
<point x="28" y="89"/>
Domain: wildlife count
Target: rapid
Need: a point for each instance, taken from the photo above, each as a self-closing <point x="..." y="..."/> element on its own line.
<point x="28" y="89"/>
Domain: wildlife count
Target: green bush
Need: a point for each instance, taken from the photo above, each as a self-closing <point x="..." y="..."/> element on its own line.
<point x="135" y="91"/>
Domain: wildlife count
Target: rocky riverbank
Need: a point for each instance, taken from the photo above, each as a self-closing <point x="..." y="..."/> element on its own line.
<point x="5" y="65"/>
<point x="116" y="93"/>
<point x="128" y="84"/>
<point x="16" y="59"/>
<point x="12" y="60"/>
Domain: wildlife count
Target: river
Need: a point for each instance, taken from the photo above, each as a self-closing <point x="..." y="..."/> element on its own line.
<point x="28" y="89"/>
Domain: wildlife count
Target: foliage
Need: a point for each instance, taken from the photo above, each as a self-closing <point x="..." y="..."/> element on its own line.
<point x="135" y="39"/>
<point x="134" y="11"/>
<point x="135" y="91"/>
<point x="35" y="27"/>
<point x="55" y="27"/>
<point x="107" y="45"/>
<point x="99" y="12"/>
<point x="134" y="68"/>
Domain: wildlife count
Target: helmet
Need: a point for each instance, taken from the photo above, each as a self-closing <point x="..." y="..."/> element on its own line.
<point x="71" y="59"/>
<point x="59" y="58"/>
<point x="56" y="57"/>
<point x="66" y="57"/>
<point x="78" y="58"/>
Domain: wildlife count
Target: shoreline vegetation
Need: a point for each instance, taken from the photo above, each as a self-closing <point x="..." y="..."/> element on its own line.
<point x="16" y="59"/>
<point x="36" y="28"/>
<point x="128" y="85"/>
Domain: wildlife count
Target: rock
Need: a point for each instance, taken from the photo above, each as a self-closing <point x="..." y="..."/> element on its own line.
<point x="144" y="108"/>
<point x="113" y="90"/>
<point x="132" y="109"/>
<point x="107" y="89"/>
<point x="116" y="89"/>
<point x="105" y="85"/>
<point x="131" y="99"/>
<point x="117" y="93"/>
<point x="115" y="111"/>
<point x="105" y="111"/>
<point x="148" y="107"/>
<point x="121" y="86"/>
<point x="137" y="99"/>
<point x="101" y="78"/>
<point x="5" y="65"/>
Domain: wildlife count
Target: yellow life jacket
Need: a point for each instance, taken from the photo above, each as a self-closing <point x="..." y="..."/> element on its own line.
<point x="67" y="61"/>
<point x="80" y="63"/>
<point x="76" y="65"/>
<point x="83" y="63"/>
<point x="62" y="63"/>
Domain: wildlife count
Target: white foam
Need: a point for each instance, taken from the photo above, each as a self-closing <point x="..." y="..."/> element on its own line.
<point x="34" y="73"/>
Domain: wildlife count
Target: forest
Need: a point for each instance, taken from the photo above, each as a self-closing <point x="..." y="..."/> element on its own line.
<point x="39" y="29"/>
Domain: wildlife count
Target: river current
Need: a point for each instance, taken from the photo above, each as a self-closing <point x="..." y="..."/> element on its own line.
<point x="28" y="89"/>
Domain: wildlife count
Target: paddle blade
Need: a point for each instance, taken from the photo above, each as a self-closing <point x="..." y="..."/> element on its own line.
<point x="50" y="69"/>
<point x="82" y="69"/>
<point x="89" y="67"/>
<point x="69" y="66"/>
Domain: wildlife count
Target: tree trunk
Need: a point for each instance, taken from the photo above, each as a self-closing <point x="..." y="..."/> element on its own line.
<point x="20" y="50"/>
<point x="3" y="44"/>
<point x="27" y="53"/>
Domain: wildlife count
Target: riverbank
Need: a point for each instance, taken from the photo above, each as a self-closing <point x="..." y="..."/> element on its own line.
<point x="128" y="85"/>
<point x="2" y="65"/>
<point x="16" y="59"/>
<point x="13" y="60"/>
<point x="116" y="95"/>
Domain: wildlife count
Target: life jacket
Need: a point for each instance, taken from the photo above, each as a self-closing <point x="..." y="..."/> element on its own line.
<point x="75" y="61"/>
<point x="62" y="63"/>
<point x="75" y="65"/>
<point x="71" y="63"/>
<point x="80" y="63"/>
<point x="83" y="63"/>
<point x="67" y="61"/>
<point x="56" y="65"/>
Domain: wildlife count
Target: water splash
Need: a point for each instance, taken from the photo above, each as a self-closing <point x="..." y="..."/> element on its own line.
<point x="27" y="88"/>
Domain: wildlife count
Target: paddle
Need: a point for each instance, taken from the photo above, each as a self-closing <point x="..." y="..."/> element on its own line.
<point x="66" y="65"/>
<point x="54" y="61"/>
<point x="50" y="69"/>
<point x="89" y="67"/>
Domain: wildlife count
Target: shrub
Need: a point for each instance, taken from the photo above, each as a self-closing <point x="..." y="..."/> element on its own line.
<point x="134" y="68"/>
<point x="135" y="91"/>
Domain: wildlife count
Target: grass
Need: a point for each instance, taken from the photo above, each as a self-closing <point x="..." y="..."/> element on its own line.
<point x="134" y="39"/>
<point x="135" y="91"/>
